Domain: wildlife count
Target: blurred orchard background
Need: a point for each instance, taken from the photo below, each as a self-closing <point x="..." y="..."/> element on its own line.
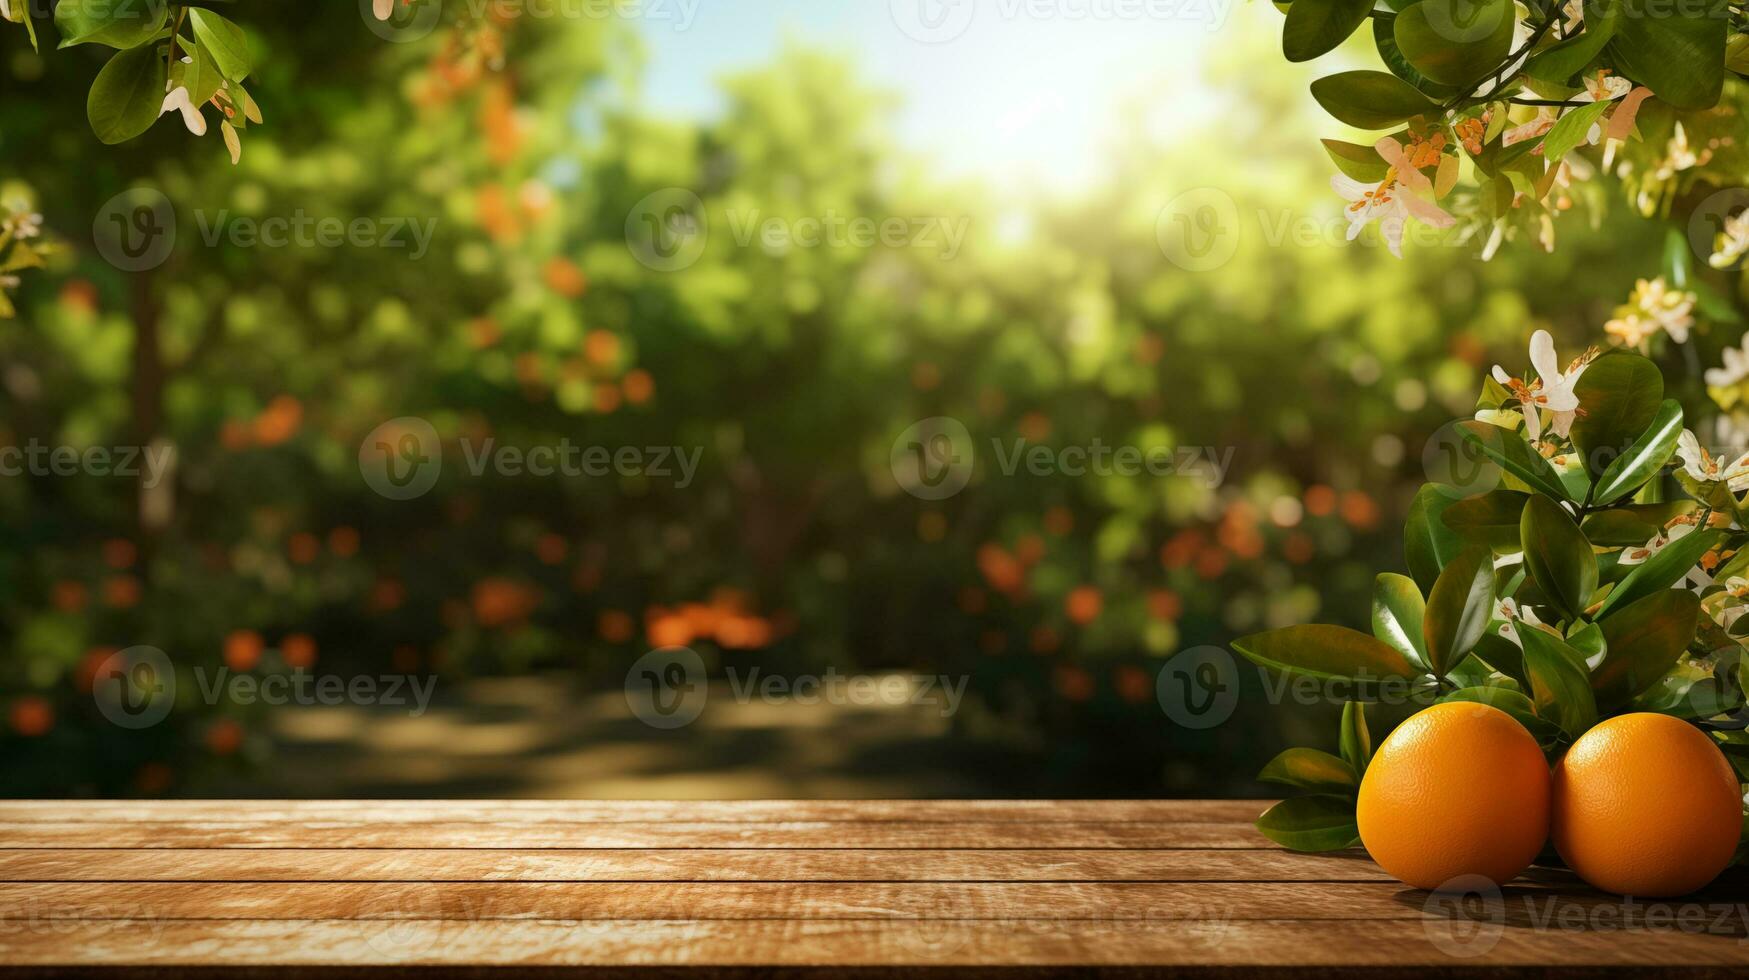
<point x="1055" y="143"/>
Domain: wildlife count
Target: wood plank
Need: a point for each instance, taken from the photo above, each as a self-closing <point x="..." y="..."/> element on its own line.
<point x="479" y="901"/>
<point x="634" y="811"/>
<point x="382" y="833"/>
<point x="165" y="864"/>
<point x="831" y="946"/>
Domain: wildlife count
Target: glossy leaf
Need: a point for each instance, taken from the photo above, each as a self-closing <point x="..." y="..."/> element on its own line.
<point x="1455" y="42"/>
<point x="1427" y="543"/>
<point x="225" y="41"/>
<point x="1311" y="823"/>
<point x="1557" y="555"/>
<point x="1490" y="519"/>
<point x="1514" y="703"/>
<point x="1361" y="163"/>
<point x="1516" y="457"/>
<point x="1645" y="458"/>
<point x="1316" y="27"/>
<point x="1621" y="393"/>
<point x="1572" y="129"/>
<point x="1370" y="99"/>
<point x="1659" y="572"/>
<point x="1633" y="524"/>
<point x="1503" y="655"/>
<point x="1458" y="609"/>
<point x="117" y="23"/>
<point x="1325" y="652"/>
<point x="1397" y="611"/>
<point x="1642" y="642"/>
<point x="127" y="95"/>
<point x="1355" y="741"/>
<point x="1562" y="62"/>
<point x="1558" y="681"/>
<point x="1310" y="769"/>
<point x="1678" y="50"/>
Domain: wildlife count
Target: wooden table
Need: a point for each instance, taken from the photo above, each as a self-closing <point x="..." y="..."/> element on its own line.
<point x="820" y="888"/>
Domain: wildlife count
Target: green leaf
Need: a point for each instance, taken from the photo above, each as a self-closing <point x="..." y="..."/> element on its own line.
<point x="1645" y="458"/>
<point x="1311" y="823"/>
<point x="1316" y="27"/>
<point x="1458" y="609"/>
<point x="1514" y="703"/>
<point x="1572" y="129"/>
<point x="1325" y="652"/>
<point x="1559" y="64"/>
<point x="1516" y="457"/>
<point x="1361" y="163"/>
<point x="1633" y="524"/>
<point x="1370" y="99"/>
<point x="1678" y="51"/>
<point x="1660" y="571"/>
<point x="1490" y="519"/>
<point x="1397" y="609"/>
<point x="1620" y="394"/>
<point x="1427" y="543"/>
<point x="1558" y="681"/>
<point x="1310" y="769"/>
<point x="1457" y="42"/>
<point x="1642" y="642"/>
<point x="116" y="23"/>
<point x="127" y="95"/>
<point x="225" y="41"/>
<point x="1687" y="691"/>
<point x="199" y="75"/>
<point x="1385" y="40"/>
<point x="1355" y="741"/>
<point x="1503" y="655"/>
<point x="1557" y="555"/>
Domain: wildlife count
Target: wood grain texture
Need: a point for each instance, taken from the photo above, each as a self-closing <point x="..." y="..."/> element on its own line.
<point x="728" y="864"/>
<point x="349" y="833"/>
<point x="840" y="889"/>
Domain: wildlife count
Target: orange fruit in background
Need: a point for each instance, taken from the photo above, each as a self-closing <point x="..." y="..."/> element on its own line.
<point x="1646" y="804"/>
<point x="1458" y="789"/>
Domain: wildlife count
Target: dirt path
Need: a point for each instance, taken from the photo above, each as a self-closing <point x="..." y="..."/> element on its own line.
<point x="543" y="737"/>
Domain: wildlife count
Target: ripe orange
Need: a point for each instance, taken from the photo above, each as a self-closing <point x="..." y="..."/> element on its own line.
<point x="1645" y="804"/>
<point x="1459" y="789"/>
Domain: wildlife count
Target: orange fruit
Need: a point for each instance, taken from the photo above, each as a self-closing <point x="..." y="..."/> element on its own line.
<point x="1646" y="804"/>
<point x="1458" y="789"/>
